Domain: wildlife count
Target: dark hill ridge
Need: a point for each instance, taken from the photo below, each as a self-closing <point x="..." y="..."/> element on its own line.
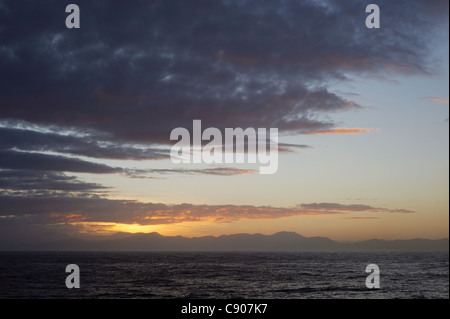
<point x="282" y="241"/>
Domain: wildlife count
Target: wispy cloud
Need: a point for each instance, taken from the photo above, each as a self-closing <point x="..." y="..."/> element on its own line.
<point x="58" y="209"/>
<point x="343" y="130"/>
<point x="215" y="171"/>
<point x="359" y="218"/>
<point x="438" y="100"/>
<point x="27" y="149"/>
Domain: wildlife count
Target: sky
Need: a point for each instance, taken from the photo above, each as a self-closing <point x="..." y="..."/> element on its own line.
<point x="86" y="116"/>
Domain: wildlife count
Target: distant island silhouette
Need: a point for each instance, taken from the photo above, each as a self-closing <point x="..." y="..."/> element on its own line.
<point x="281" y="241"/>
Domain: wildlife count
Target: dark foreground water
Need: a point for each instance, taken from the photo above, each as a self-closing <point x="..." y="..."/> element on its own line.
<point x="223" y="275"/>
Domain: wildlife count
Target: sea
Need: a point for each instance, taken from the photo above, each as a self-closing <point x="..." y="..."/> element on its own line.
<point x="224" y="275"/>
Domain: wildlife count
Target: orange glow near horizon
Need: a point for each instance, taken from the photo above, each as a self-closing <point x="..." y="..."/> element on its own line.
<point x="105" y="228"/>
<point x="337" y="227"/>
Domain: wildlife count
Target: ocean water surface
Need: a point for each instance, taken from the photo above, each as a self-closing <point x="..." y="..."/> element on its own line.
<point x="223" y="275"/>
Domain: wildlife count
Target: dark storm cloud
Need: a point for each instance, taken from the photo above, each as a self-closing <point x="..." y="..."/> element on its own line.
<point x="89" y="146"/>
<point x="20" y="161"/>
<point x="134" y="71"/>
<point x="44" y="162"/>
<point x="20" y="150"/>
<point x="38" y="180"/>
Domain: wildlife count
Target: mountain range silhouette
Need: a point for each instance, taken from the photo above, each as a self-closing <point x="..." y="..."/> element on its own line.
<point x="281" y="241"/>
